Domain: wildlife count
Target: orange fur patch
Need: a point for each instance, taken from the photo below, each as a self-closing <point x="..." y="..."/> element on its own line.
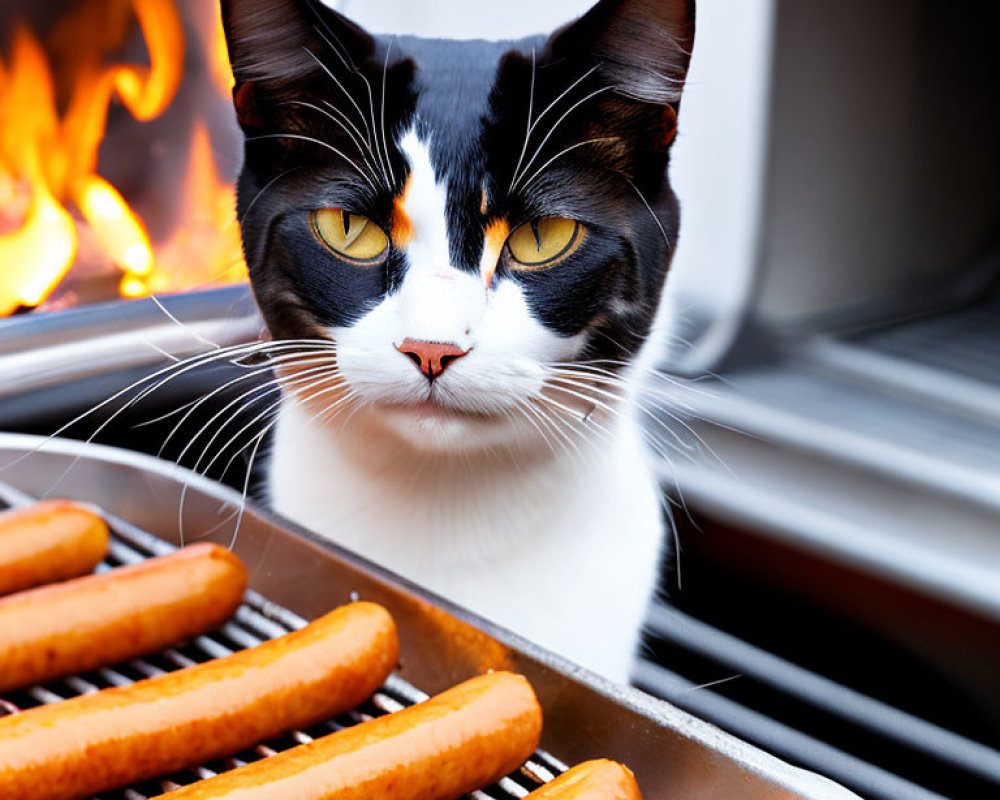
<point x="496" y="237"/>
<point x="402" y="227"/>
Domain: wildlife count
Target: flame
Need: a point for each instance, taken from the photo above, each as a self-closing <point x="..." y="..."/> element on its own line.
<point x="40" y="252"/>
<point x="53" y="116"/>
<point x="222" y="71"/>
<point x="205" y="246"/>
<point x="36" y="255"/>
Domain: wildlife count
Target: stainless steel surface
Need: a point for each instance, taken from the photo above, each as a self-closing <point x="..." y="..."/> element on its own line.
<point x="674" y="755"/>
<point x="865" y="714"/>
<point x="843" y="459"/>
<point x="255" y="621"/>
<point x="100" y="348"/>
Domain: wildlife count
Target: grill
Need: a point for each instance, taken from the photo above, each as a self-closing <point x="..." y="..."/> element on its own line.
<point x="295" y="577"/>
<point x="254" y="622"/>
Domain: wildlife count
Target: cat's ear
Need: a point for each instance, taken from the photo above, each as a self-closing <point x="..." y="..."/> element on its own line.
<point x="276" y="45"/>
<point x="642" y="47"/>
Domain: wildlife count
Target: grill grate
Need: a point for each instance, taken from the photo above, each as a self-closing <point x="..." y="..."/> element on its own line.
<point x="962" y="342"/>
<point x="257" y="620"/>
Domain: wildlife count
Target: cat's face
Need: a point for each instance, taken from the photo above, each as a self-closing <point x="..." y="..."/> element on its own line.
<point x="463" y="219"/>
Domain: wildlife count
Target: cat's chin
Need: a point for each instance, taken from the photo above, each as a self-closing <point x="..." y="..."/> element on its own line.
<point x="437" y="427"/>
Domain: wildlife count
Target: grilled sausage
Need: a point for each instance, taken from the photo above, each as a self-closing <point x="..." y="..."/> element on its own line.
<point x="101" y="619"/>
<point x="78" y="747"/>
<point x="49" y="541"/>
<point x="460" y="740"/>
<point x="591" y="780"/>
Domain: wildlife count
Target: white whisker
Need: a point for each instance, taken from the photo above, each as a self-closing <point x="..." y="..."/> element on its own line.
<point x="552" y="130"/>
<point x="560" y="154"/>
<point x="532" y="125"/>
<point x="321" y="143"/>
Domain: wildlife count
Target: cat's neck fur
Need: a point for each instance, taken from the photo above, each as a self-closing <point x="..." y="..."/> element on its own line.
<point x="479" y="528"/>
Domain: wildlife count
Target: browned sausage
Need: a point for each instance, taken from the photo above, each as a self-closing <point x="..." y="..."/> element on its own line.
<point x="49" y="541"/>
<point x="102" y="619"/>
<point x="591" y="780"/>
<point x="463" y="739"/>
<point x="78" y="747"/>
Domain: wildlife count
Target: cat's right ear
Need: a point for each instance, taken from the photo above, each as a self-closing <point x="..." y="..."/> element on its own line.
<point x="642" y="47"/>
<point x="276" y="46"/>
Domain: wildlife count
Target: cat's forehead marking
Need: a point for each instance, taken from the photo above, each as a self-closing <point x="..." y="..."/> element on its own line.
<point x="402" y="225"/>
<point x="424" y="206"/>
<point x="496" y="237"/>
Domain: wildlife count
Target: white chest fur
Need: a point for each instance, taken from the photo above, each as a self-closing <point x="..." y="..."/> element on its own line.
<point x="562" y="547"/>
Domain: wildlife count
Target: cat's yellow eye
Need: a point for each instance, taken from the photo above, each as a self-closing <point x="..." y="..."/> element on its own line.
<point x="544" y="242"/>
<point x="350" y="236"/>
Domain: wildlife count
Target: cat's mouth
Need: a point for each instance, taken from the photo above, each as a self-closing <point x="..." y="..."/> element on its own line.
<point x="432" y="408"/>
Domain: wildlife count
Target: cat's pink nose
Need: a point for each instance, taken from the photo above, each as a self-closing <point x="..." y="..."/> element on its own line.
<point x="431" y="358"/>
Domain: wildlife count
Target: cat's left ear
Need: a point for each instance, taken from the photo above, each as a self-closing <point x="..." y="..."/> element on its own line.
<point x="642" y="47"/>
<point x="277" y="46"/>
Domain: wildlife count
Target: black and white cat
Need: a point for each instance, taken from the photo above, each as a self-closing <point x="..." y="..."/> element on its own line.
<point x="477" y="234"/>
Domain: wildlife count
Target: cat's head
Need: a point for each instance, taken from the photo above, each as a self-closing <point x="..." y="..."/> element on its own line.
<point x="466" y="220"/>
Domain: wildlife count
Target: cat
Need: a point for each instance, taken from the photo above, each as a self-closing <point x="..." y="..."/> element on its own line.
<point x="462" y="246"/>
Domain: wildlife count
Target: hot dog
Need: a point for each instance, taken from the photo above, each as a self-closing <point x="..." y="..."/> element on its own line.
<point x="463" y="739"/>
<point x="591" y="780"/>
<point x="101" y="619"/>
<point x="78" y="747"/>
<point x="49" y="541"/>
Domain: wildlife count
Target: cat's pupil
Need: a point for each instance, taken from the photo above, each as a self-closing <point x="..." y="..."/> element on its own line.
<point x="537" y="235"/>
<point x="347" y="223"/>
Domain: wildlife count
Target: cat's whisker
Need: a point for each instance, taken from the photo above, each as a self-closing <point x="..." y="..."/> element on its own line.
<point x="204" y="471"/>
<point x="561" y="153"/>
<point x="653" y="444"/>
<point x="371" y="101"/>
<point x="321" y="415"/>
<point x="536" y="412"/>
<point x="358" y="143"/>
<point x="256" y="442"/>
<point x="274" y="384"/>
<point x="385" y="141"/>
<point x="257" y="393"/>
<point x="682" y="447"/>
<point x="533" y="124"/>
<point x="184" y="489"/>
<point x="190" y="332"/>
<point x="665" y="501"/>
<point x="168" y="355"/>
<point x="203" y="360"/>
<point x="524" y="407"/>
<point x="527" y="130"/>
<point x="378" y="148"/>
<point x="560" y="380"/>
<point x="197" y="401"/>
<point x="246" y="489"/>
<point x="634" y="377"/>
<point x="268" y="185"/>
<point x="170" y="372"/>
<point x="340" y="85"/>
<point x="546" y="402"/>
<point x="267" y="428"/>
<point x="662" y="400"/>
<point x="656" y="219"/>
<point x="552" y="130"/>
<point x="346" y="121"/>
<point x="302" y="137"/>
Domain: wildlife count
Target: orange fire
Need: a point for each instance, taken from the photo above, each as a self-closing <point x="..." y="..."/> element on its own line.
<point x="53" y="202"/>
<point x="205" y="246"/>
